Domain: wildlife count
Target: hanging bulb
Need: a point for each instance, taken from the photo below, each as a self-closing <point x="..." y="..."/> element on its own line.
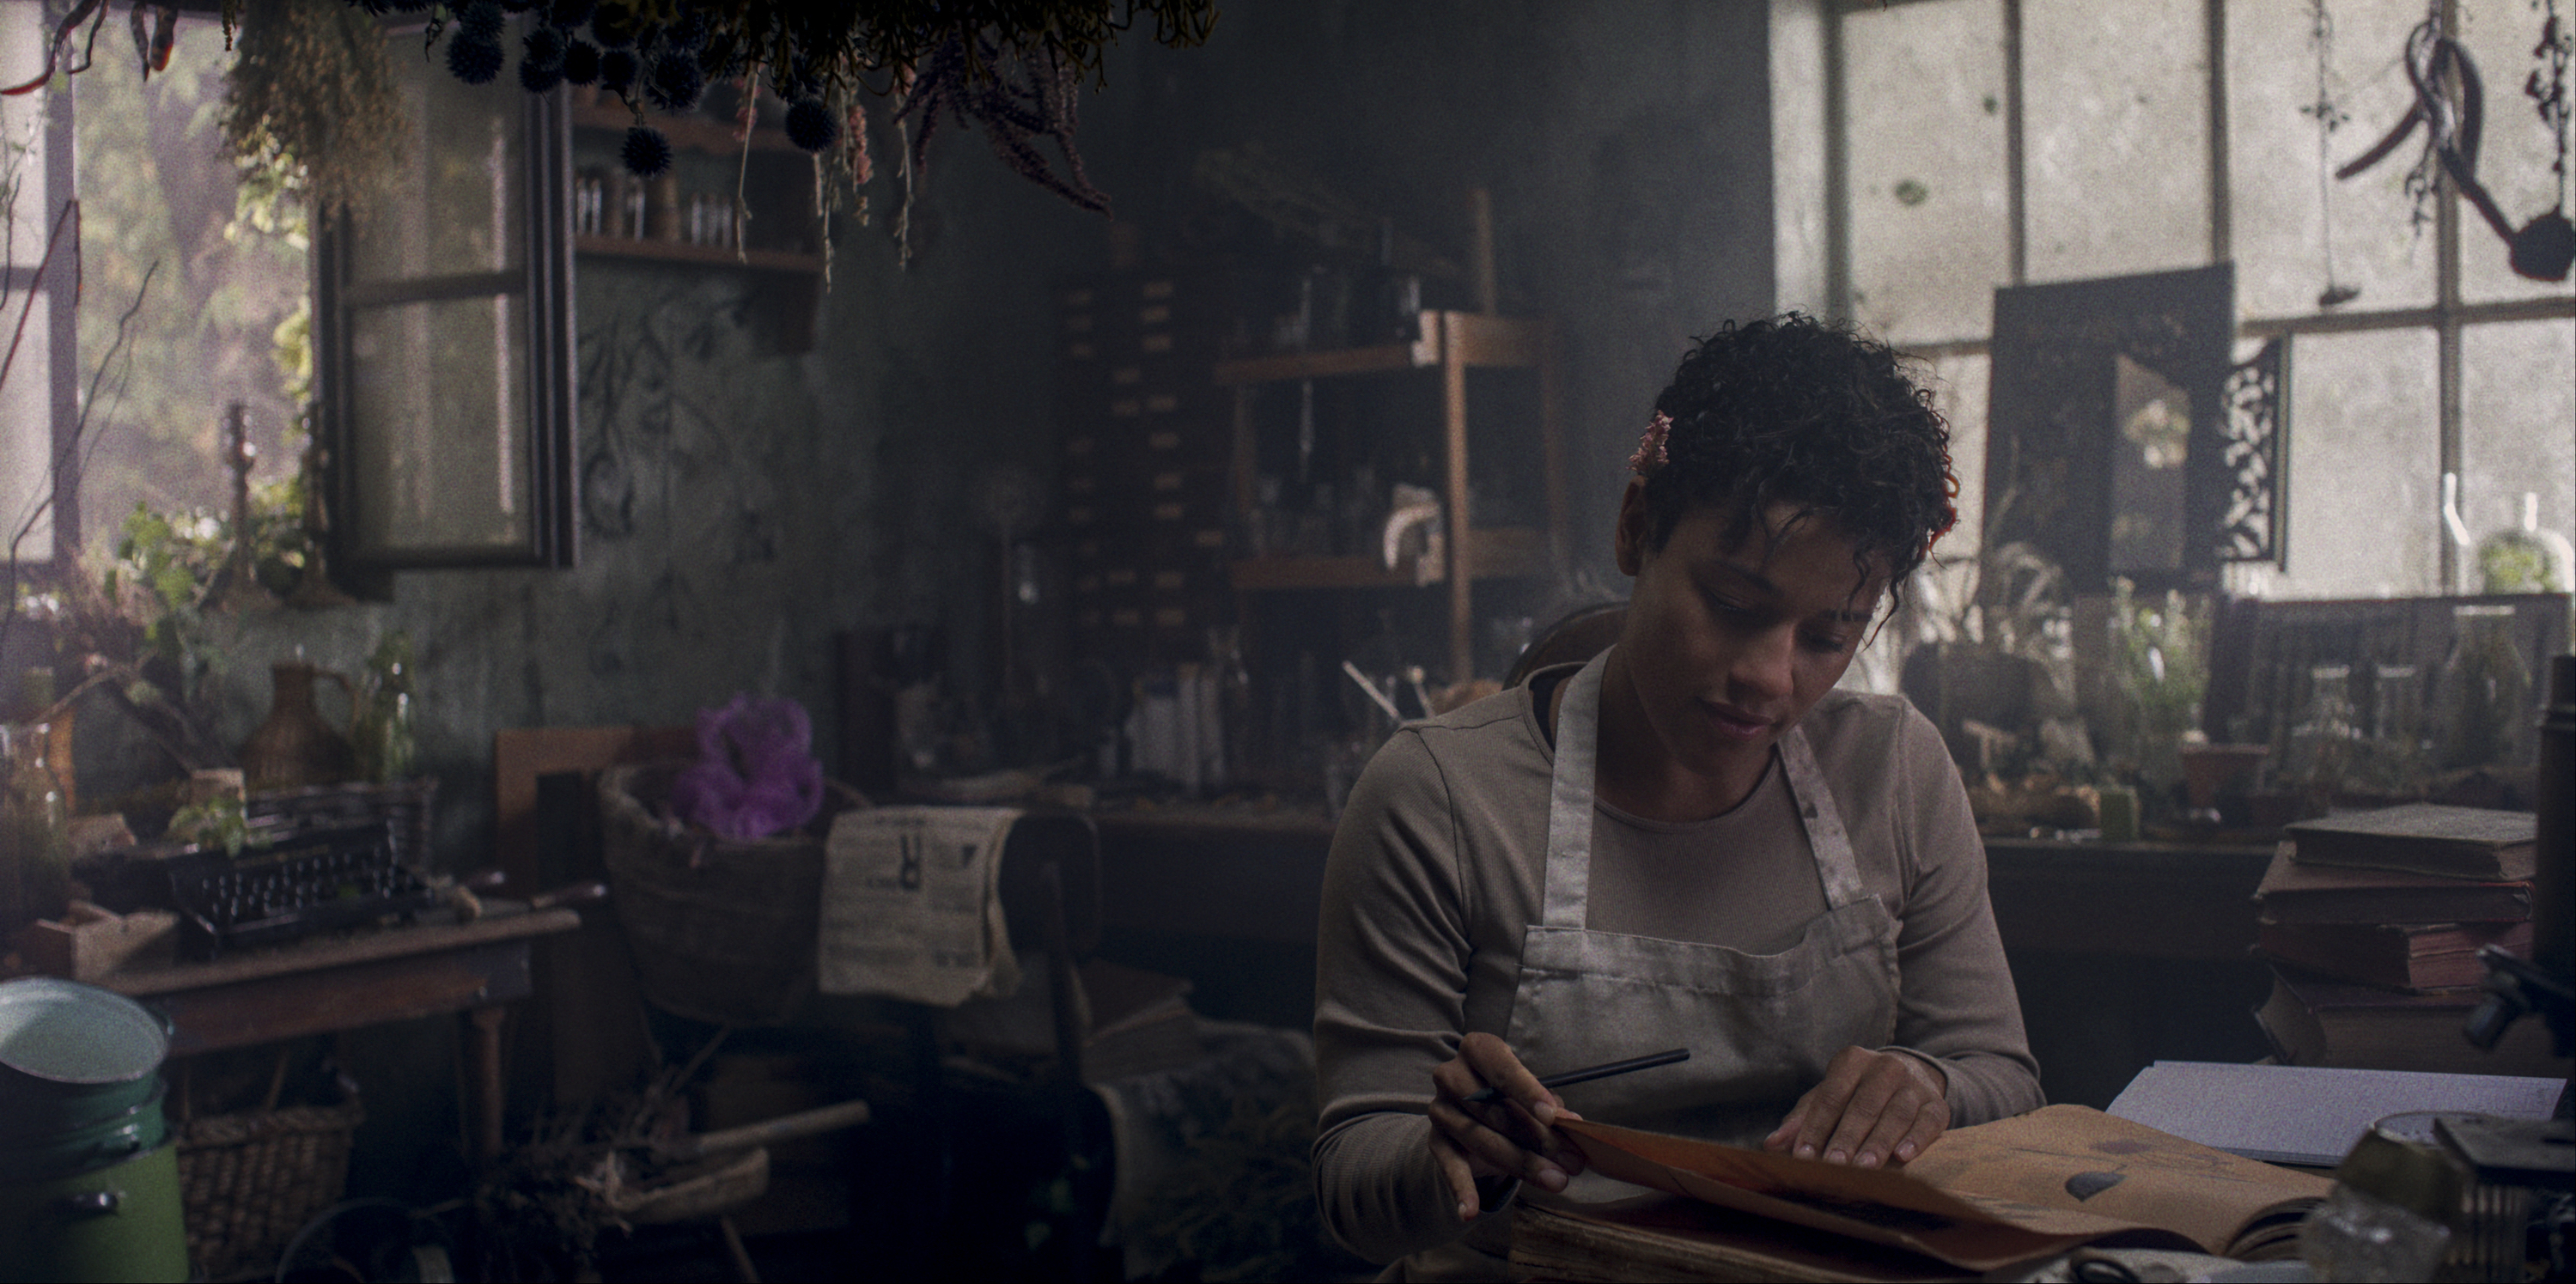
<point x="2335" y="295"/>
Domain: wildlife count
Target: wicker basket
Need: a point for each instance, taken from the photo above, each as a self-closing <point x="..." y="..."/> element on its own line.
<point x="249" y="1181"/>
<point x="405" y="805"/>
<point x="722" y="930"/>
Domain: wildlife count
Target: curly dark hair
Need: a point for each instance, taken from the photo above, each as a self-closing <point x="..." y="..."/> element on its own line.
<point x="1812" y="412"/>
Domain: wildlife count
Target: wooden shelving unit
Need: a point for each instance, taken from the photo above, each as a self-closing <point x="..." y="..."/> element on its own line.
<point x="695" y="133"/>
<point x="643" y="247"/>
<point x="1451" y="344"/>
<point x="775" y="180"/>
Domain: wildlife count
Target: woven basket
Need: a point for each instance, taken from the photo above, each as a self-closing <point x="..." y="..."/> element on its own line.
<point x="249" y="1181"/>
<point x="404" y="805"/>
<point x="722" y="930"/>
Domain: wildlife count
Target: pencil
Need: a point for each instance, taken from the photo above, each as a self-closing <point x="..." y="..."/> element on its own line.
<point x="1589" y="1073"/>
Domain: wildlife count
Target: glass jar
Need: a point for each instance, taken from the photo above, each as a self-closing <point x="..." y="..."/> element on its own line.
<point x="382" y="730"/>
<point x="35" y="868"/>
<point x="2484" y="696"/>
<point x="2321" y="741"/>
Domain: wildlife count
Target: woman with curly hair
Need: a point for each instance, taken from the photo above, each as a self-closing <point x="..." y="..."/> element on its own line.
<point x="1692" y="840"/>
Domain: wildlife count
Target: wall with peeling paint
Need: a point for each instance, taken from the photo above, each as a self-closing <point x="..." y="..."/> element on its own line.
<point x="741" y="503"/>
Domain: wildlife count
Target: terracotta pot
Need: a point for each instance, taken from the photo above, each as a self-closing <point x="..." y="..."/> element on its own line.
<point x="2212" y="772"/>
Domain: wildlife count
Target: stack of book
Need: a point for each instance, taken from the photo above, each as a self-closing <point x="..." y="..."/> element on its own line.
<point x="2372" y="922"/>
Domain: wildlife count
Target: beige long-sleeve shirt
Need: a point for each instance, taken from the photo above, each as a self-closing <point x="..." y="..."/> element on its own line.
<point x="1437" y="870"/>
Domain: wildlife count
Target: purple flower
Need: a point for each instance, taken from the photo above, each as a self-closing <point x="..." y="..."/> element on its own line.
<point x="481" y="20"/>
<point x="617" y="70"/>
<point x="674" y="82"/>
<point x="543" y="45"/>
<point x="472" y="60"/>
<point x="755" y="775"/>
<point x="810" y="125"/>
<point x="538" y="77"/>
<point x="646" y="152"/>
<point x="581" y="62"/>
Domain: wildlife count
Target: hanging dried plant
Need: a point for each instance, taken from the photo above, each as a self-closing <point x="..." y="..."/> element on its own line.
<point x="1017" y="95"/>
<point x="311" y="97"/>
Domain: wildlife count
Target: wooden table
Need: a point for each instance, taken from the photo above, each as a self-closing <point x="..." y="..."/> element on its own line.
<point x="1683" y="1240"/>
<point x="1214" y="871"/>
<point x="2140" y="900"/>
<point x="333" y="984"/>
<point x="1259" y="876"/>
<point x="2124" y="952"/>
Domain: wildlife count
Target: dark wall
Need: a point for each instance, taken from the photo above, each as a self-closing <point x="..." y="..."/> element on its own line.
<point x="743" y="502"/>
<point x="1627" y="145"/>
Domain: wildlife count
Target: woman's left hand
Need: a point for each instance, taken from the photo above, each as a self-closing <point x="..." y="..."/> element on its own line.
<point x="1872" y="1108"/>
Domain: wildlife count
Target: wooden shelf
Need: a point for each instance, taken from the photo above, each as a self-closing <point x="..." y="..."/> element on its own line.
<point x="1451" y="345"/>
<point x="1480" y="340"/>
<point x="689" y="133"/>
<point x="1256" y="574"/>
<point x="1493" y="553"/>
<point x="632" y="247"/>
<point x="1380" y="359"/>
<point x="1502" y="551"/>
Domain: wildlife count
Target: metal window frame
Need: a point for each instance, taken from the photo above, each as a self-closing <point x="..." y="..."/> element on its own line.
<point x="2447" y="318"/>
<point x="546" y="283"/>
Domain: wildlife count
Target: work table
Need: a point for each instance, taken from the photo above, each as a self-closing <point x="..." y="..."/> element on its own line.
<point x="1242" y="874"/>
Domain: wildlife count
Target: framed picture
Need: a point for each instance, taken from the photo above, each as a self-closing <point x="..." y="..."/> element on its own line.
<point x="2118" y="446"/>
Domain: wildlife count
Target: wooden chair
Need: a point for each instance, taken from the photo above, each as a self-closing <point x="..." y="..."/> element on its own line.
<point x="581" y="1036"/>
<point x="1581" y="635"/>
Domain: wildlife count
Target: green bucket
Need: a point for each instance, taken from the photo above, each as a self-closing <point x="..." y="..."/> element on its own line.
<point x="72" y="1055"/>
<point x="119" y="1223"/>
<point x="89" y="1182"/>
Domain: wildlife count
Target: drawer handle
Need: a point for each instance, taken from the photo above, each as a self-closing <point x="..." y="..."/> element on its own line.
<point x="86" y="1204"/>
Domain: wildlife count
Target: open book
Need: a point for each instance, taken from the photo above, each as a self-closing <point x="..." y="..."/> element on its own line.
<point x="1995" y="1194"/>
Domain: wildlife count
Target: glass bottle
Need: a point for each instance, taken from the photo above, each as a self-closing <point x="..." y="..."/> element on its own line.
<point x="2321" y="741"/>
<point x="383" y="731"/>
<point x="35" y="873"/>
<point x="2484" y="696"/>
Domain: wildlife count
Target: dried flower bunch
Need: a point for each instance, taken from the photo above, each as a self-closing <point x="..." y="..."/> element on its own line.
<point x="1009" y="66"/>
<point x="310" y="98"/>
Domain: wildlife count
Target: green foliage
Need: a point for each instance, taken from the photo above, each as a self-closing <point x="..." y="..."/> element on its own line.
<point x="2163" y="656"/>
<point x="216" y="821"/>
<point x="312" y="96"/>
<point x="169" y="567"/>
<point x="291" y="347"/>
<point x="2513" y="561"/>
<point x="2161" y="661"/>
<point x="188" y="269"/>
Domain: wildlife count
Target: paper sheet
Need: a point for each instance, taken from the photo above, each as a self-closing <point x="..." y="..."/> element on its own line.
<point x="2310" y="1114"/>
<point x="912" y="906"/>
<point x="1992" y="1195"/>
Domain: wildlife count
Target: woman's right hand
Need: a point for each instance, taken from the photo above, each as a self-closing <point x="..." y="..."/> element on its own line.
<point x="1509" y="1136"/>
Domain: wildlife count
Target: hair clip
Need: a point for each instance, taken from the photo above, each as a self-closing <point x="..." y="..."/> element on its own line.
<point x="1949" y="508"/>
<point x="1650" y="446"/>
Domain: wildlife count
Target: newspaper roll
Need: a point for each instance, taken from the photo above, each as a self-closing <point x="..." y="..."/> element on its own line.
<point x="912" y="906"/>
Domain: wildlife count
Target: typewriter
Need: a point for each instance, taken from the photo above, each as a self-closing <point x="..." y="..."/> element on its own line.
<point x="319" y="880"/>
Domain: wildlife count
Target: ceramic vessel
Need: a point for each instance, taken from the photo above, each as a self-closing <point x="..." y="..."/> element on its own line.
<point x="295" y="746"/>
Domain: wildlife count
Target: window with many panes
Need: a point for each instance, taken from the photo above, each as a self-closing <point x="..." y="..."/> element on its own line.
<point x="144" y="294"/>
<point x="1983" y="143"/>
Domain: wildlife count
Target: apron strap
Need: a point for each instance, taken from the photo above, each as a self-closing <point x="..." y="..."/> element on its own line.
<point x="1835" y="862"/>
<point x="1569" y="799"/>
<point x="1570" y="808"/>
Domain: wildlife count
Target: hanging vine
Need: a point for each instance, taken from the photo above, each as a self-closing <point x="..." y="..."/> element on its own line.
<point x="309" y="104"/>
<point x="1008" y="67"/>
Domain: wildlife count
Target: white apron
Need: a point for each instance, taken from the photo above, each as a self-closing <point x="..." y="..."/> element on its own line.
<point x="1761" y="1028"/>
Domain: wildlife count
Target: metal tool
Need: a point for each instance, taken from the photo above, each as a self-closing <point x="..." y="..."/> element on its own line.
<point x="1589" y="1073"/>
